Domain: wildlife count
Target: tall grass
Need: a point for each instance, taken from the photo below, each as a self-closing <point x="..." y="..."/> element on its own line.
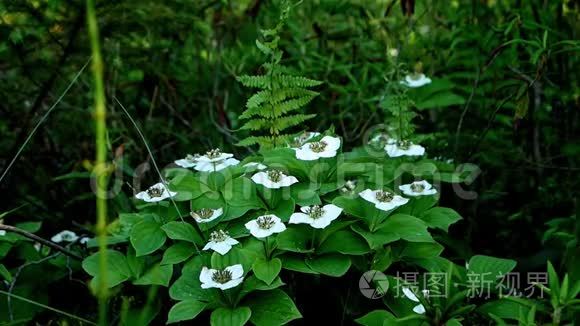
<point x="100" y="116"/>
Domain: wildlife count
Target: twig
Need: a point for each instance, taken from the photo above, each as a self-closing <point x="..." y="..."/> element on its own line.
<point x="489" y="123"/>
<point x="41" y="240"/>
<point x="464" y="113"/>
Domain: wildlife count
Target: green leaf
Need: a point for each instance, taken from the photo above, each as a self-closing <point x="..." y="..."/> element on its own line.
<point x="331" y="264"/>
<point x="296" y="263"/>
<point x="146" y="237"/>
<point x="5" y="273"/>
<point x="185" y="310"/>
<point x="494" y="267"/>
<point x="267" y="271"/>
<point x="440" y="217"/>
<point x="396" y="227"/>
<point x="377" y="318"/>
<point x="177" y="253"/>
<point x="230" y="317"/>
<point x="117" y="269"/>
<point x="181" y="231"/>
<point x="505" y="308"/>
<point x="157" y="275"/>
<point x="272" y="308"/>
<point x="345" y="242"/>
<point x="295" y="239"/>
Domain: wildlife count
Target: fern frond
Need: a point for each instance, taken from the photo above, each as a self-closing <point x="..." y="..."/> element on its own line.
<point x="254" y="81"/>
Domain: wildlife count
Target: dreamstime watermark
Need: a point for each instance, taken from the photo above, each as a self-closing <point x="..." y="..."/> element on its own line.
<point x="374" y="284"/>
<point x="367" y="174"/>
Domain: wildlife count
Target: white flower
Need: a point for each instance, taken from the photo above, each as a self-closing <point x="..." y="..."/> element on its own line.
<point x="383" y="200"/>
<point x="2" y="233"/>
<point x="155" y="193"/>
<point x="206" y="215"/>
<point x="64" y="236"/>
<point x="349" y="187"/>
<point x="303" y="138"/>
<point x="84" y="240"/>
<point x="265" y="225"/>
<point x="214" y="161"/>
<point x="416" y="80"/>
<point x="403" y="148"/>
<point x="418" y="188"/>
<point x="274" y="179"/>
<point x="221" y="242"/>
<point x="420" y="309"/>
<point x="256" y="165"/>
<point x="188" y="162"/>
<point x="394" y="53"/>
<point x="326" y="147"/>
<point x="223" y="279"/>
<point x="318" y="217"/>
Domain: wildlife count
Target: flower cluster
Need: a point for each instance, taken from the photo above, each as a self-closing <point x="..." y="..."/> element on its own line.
<point x="212" y="161"/>
<point x="386" y="200"/>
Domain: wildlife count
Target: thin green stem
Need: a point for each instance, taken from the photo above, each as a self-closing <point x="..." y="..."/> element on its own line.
<point x="64" y="313"/>
<point x="100" y="116"/>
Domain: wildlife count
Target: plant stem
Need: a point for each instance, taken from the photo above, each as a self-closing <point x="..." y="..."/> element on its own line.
<point x="100" y="115"/>
<point x="41" y="240"/>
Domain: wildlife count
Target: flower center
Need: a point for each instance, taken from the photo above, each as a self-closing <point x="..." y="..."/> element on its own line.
<point x="222" y="276"/>
<point x="204" y="213"/>
<point x="404" y="144"/>
<point x="218" y="236"/>
<point x="417" y="187"/>
<point x="318" y="146"/>
<point x="265" y="222"/>
<point x="315" y="212"/>
<point x="214" y="153"/>
<point x="274" y="175"/>
<point x="67" y="236"/>
<point x="384" y="196"/>
<point x="154" y="192"/>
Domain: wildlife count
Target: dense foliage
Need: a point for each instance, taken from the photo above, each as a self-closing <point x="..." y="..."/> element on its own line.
<point x="390" y="162"/>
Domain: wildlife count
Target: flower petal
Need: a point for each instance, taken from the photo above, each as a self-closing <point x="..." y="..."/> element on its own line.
<point x="236" y="270"/>
<point x="205" y="275"/>
<point x="409" y="294"/>
<point x="304" y="153"/>
<point x="231" y="284"/>
<point x="300" y="218"/>
<point x="332" y="143"/>
<point x="420" y="309"/>
<point x="370" y="196"/>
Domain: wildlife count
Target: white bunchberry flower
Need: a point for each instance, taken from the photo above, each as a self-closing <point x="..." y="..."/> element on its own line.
<point x="416" y="80"/>
<point x="274" y="179"/>
<point x="316" y="216"/>
<point x="324" y="148"/>
<point x="155" y="193"/>
<point x="84" y="240"/>
<point x="206" y="215"/>
<point x="303" y="138"/>
<point x="220" y="242"/>
<point x="255" y="165"/>
<point x="265" y="225"/>
<point x="189" y="161"/>
<point x="222" y="279"/>
<point x="64" y="236"/>
<point x="349" y="187"/>
<point x="214" y="161"/>
<point x="418" y="188"/>
<point x="403" y="148"/>
<point x="2" y="233"/>
<point x="419" y="309"/>
<point x="383" y="200"/>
